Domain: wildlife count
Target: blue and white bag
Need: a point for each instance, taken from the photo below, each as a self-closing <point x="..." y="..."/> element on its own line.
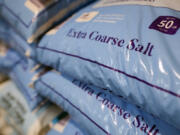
<point x="130" y="47"/>
<point x="31" y="18"/>
<point x="98" y="111"/>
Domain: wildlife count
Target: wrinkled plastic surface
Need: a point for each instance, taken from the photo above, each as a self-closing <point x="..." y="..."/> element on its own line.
<point x="116" y="49"/>
<point x="99" y="111"/>
<point x="31" y="18"/>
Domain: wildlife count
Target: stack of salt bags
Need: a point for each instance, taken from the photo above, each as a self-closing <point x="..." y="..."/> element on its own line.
<point x="59" y="125"/>
<point x="45" y="117"/>
<point x="21" y="70"/>
<point x="130" y="47"/>
<point x="97" y="110"/>
<point x="16" y="64"/>
<point x="31" y="18"/>
<point x="21" y="74"/>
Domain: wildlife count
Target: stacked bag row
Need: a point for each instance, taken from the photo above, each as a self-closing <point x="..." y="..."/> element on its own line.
<point x="17" y="118"/>
<point x="112" y="65"/>
<point x="25" y="112"/>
